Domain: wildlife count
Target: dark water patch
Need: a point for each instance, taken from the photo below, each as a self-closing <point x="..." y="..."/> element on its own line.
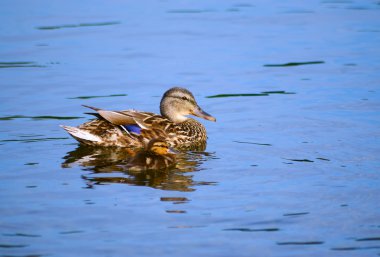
<point x="350" y="64"/>
<point x="280" y="92"/>
<point x="48" y="117"/>
<point x="205" y="183"/>
<point x="233" y="10"/>
<point x="368" y="239"/>
<point x="93" y="24"/>
<point x="29" y="255"/>
<point x="22" y="235"/>
<point x="234" y="95"/>
<point x="190" y="11"/>
<point x="96" y="96"/>
<point x="251" y="143"/>
<point x="31" y="135"/>
<point x="175" y="200"/>
<point x="270" y="223"/>
<point x="323" y="159"/>
<point x="289" y="64"/>
<point x="89" y="202"/>
<point x="20" y="65"/>
<point x="31" y="163"/>
<point x="349" y="248"/>
<point x="301" y="243"/>
<point x="300" y="160"/>
<point x="359" y="8"/>
<point x="253" y="230"/>
<point x="296" y="214"/>
<point x="186" y="226"/>
<point x="12" y="246"/>
<point x="44" y="117"/>
<point x="244" y="5"/>
<point x="265" y="93"/>
<point x="31" y="186"/>
<point x="176" y="211"/>
<point x="71" y="232"/>
<point x="32" y="140"/>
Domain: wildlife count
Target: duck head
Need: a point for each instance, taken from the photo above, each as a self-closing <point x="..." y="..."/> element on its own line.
<point x="179" y="102"/>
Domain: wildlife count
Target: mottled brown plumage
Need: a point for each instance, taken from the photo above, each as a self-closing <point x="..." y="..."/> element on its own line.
<point x="155" y="157"/>
<point x="132" y="128"/>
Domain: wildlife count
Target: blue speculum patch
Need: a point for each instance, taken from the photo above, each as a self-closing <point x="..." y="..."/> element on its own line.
<point x="132" y="128"/>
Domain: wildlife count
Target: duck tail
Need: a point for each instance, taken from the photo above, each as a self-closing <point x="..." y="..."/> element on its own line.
<point x="81" y="135"/>
<point x="91" y="107"/>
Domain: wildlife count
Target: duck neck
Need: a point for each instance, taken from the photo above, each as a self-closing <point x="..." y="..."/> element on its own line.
<point x="175" y="117"/>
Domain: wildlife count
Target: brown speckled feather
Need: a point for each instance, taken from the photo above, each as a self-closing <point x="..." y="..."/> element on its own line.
<point x="185" y="134"/>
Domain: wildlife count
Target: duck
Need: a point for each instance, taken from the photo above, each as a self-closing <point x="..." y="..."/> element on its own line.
<point x="156" y="156"/>
<point x="134" y="129"/>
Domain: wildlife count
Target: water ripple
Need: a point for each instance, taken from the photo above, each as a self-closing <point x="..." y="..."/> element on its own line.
<point x="94" y="24"/>
<point x="22" y="235"/>
<point x="20" y="65"/>
<point x="265" y="93"/>
<point x="368" y="239"/>
<point x="12" y="246"/>
<point x="43" y="117"/>
<point x="96" y="96"/>
<point x="293" y="64"/>
<point x="354" y="248"/>
<point x="253" y="230"/>
<point x="301" y="243"/>
<point x="32" y="140"/>
<point x="252" y="143"/>
<point x="296" y="214"/>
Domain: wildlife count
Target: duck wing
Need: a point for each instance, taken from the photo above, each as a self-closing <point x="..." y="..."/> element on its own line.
<point x="148" y="125"/>
<point x="115" y="117"/>
<point x="153" y="125"/>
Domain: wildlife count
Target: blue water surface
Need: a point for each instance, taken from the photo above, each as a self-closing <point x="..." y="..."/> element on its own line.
<point x="291" y="166"/>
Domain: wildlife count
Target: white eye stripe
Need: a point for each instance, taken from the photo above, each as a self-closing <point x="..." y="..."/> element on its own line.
<point x="184" y="98"/>
<point x="180" y="97"/>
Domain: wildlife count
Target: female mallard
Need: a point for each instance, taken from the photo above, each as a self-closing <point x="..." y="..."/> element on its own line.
<point x="155" y="157"/>
<point x="132" y="128"/>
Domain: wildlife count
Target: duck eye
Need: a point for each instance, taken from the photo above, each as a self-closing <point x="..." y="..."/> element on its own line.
<point x="184" y="98"/>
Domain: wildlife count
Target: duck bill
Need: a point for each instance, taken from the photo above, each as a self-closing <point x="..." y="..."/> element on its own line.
<point x="202" y="114"/>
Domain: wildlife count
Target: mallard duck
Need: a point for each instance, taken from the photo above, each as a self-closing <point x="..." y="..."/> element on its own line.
<point x="133" y="128"/>
<point x="156" y="156"/>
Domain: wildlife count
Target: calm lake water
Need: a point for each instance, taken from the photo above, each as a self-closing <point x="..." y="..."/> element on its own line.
<point x="292" y="163"/>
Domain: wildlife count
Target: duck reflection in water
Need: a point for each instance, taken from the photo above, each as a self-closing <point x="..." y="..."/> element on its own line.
<point x="156" y="156"/>
<point x="113" y="165"/>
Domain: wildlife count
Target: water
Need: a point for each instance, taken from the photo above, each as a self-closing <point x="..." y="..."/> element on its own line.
<point x="292" y="163"/>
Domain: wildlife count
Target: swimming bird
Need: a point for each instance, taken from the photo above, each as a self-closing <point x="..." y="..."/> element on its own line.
<point x="131" y="128"/>
<point x="156" y="156"/>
